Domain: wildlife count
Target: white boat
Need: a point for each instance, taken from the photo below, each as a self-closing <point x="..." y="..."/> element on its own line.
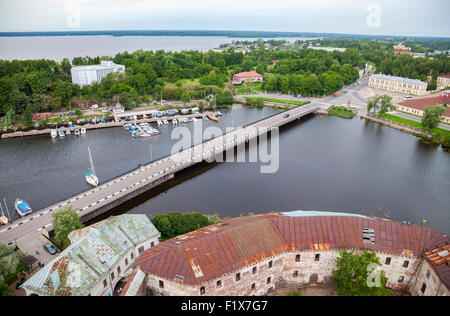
<point x="83" y="131"/>
<point x="185" y="111"/>
<point x="68" y="132"/>
<point x="22" y="208"/>
<point x="165" y="122"/>
<point x="91" y="178"/>
<point x="160" y="123"/>
<point x="77" y="132"/>
<point x="61" y="134"/>
<point x="53" y="133"/>
<point x="174" y="122"/>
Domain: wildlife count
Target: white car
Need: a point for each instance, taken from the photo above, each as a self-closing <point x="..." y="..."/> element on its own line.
<point x="95" y="106"/>
<point x="407" y="97"/>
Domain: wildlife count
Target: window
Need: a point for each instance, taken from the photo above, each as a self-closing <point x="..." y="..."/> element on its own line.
<point x="424" y="287"/>
<point x="152" y="244"/>
<point x="219" y="283"/>
<point x="238" y="277"/>
<point x="405" y="264"/>
<point x="118" y="270"/>
<point x="270" y="264"/>
<point x="254" y="270"/>
<point x="126" y="261"/>
<point x="269" y="280"/>
<point x="161" y="284"/>
<point x="132" y="256"/>
<point x="428" y="274"/>
<point x="105" y="283"/>
<point x="112" y="275"/>
<point x="369" y="235"/>
<point x="141" y="249"/>
<point x="202" y="290"/>
<point x="317" y="257"/>
<point x="400" y="279"/>
<point x="295" y="275"/>
<point x="388" y="261"/>
<point x="297" y="258"/>
<point x="253" y="286"/>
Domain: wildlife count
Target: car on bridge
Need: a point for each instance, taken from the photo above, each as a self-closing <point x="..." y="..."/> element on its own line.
<point x="50" y="248"/>
<point x="286" y="115"/>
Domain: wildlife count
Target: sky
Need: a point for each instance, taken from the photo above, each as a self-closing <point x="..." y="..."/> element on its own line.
<point x="374" y="17"/>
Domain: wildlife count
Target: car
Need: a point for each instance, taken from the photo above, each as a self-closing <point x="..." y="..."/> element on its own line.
<point x="20" y="282"/>
<point x="287" y="115"/>
<point x="50" y="248"/>
<point x="407" y="97"/>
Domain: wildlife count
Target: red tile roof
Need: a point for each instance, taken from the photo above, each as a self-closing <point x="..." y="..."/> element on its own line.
<point x="421" y="104"/>
<point x="248" y="74"/>
<point x="444" y="75"/>
<point x="215" y="250"/>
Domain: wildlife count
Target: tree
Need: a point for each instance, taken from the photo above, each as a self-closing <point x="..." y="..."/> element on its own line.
<point x="11" y="117"/>
<point x="64" y="222"/>
<point x="28" y="116"/>
<point x="432" y="116"/>
<point x="78" y="112"/>
<point x="186" y="97"/>
<point x="380" y="104"/>
<point x="6" y="290"/>
<point x="9" y="260"/>
<point x="356" y="275"/>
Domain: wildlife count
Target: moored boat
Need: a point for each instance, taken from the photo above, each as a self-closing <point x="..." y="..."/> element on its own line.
<point x="83" y="131"/>
<point x="22" y="208"/>
<point x="213" y="118"/>
<point x="77" y="132"/>
<point x="54" y="133"/>
<point x="61" y="134"/>
<point x="91" y="178"/>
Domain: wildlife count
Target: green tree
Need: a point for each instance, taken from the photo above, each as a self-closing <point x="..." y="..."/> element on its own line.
<point x="380" y="104"/>
<point x="11" y="117"/>
<point x="9" y="260"/>
<point x="6" y="290"/>
<point x="186" y="97"/>
<point x="356" y="275"/>
<point x="64" y="222"/>
<point x="78" y="112"/>
<point x="432" y="116"/>
<point x="28" y="116"/>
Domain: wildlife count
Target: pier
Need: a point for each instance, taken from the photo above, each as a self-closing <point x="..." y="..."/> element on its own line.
<point x="26" y="232"/>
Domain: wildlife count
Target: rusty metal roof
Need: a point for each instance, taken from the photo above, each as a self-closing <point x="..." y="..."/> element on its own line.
<point x="215" y="250"/>
<point x="91" y="254"/>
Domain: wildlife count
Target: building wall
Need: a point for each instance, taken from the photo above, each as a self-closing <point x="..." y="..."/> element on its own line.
<point x="86" y="76"/>
<point x="396" y="85"/>
<point x="100" y="289"/>
<point x="427" y="282"/>
<point x="237" y="80"/>
<point x="314" y="266"/>
<point x="443" y="82"/>
<point x="403" y="108"/>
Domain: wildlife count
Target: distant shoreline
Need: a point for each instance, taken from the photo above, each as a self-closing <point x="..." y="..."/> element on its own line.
<point x="230" y="34"/>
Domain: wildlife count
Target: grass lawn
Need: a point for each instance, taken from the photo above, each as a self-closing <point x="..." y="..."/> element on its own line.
<point x="414" y="124"/>
<point x="341" y="112"/>
<point x="256" y="86"/>
<point x="244" y="91"/>
<point x="286" y="101"/>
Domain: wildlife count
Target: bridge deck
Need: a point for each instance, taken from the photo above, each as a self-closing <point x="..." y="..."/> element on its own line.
<point x="146" y="176"/>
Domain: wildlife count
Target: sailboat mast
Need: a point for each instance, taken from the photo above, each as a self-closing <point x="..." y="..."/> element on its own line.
<point x="92" y="163"/>
<point x="9" y="215"/>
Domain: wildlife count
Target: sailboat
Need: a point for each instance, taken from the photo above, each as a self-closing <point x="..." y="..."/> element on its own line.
<point x="91" y="178"/>
<point x="3" y="218"/>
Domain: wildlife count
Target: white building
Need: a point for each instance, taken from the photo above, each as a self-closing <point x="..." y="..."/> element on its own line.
<point x="98" y="257"/>
<point x="86" y="75"/>
<point x="398" y="84"/>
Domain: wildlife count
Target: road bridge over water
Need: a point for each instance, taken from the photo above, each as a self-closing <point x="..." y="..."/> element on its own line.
<point x="26" y="233"/>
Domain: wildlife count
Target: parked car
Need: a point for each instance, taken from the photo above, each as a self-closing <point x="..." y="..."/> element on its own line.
<point x="20" y="282"/>
<point x="287" y="115"/>
<point x="50" y="248"/>
<point x="407" y="97"/>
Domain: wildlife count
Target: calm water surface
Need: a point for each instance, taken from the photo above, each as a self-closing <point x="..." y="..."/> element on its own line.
<point x="326" y="163"/>
<point x="59" y="47"/>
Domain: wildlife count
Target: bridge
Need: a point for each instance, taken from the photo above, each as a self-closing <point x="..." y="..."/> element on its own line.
<point x="26" y="233"/>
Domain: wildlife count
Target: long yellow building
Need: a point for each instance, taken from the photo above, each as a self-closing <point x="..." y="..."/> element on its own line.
<point x="398" y="84"/>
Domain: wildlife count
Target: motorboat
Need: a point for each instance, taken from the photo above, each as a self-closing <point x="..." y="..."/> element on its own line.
<point x="77" y="132"/>
<point x="185" y="111"/>
<point x="53" y="133"/>
<point x="219" y="113"/>
<point x="22" y="208"/>
<point x="83" y="131"/>
<point x="91" y="178"/>
<point x="213" y="118"/>
<point x="61" y="134"/>
<point x="68" y="132"/>
<point x="160" y="123"/>
<point x="165" y="122"/>
<point x="3" y="219"/>
<point x="174" y="122"/>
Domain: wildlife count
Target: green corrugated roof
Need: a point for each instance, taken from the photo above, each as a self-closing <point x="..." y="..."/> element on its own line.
<point x="93" y="251"/>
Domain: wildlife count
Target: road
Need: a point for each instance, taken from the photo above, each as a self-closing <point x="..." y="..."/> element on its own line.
<point x="417" y="119"/>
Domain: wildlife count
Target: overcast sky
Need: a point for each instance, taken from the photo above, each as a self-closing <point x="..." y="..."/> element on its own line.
<point x="384" y="17"/>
